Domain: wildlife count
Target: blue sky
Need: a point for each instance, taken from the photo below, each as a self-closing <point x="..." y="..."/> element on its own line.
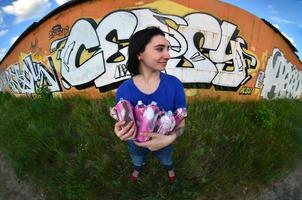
<point x="17" y="15"/>
<point x="286" y="15"/>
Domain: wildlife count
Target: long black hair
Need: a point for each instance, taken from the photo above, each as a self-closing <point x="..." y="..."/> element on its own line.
<point x="138" y="42"/>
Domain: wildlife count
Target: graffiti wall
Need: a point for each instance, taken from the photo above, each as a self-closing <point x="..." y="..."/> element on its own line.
<point x="217" y="50"/>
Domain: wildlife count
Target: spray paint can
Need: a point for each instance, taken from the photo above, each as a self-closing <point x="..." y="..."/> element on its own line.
<point x="148" y="121"/>
<point x="124" y="111"/>
<point x="179" y="115"/>
<point x="165" y="123"/>
<point x="139" y="112"/>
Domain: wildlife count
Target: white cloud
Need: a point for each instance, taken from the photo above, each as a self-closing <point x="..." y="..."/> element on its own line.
<point x="3" y="32"/>
<point x="272" y="9"/>
<point x="290" y="39"/>
<point x="1" y="19"/>
<point x="60" y="2"/>
<point x="2" y="24"/>
<point x="27" y="9"/>
<point x="13" y="40"/>
<point x="2" y="53"/>
<point x="282" y="20"/>
<point x="277" y="26"/>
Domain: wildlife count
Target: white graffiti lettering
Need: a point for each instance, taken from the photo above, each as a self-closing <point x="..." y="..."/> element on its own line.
<point x="282" y="79"/>
<point x="194" y="66"/>
<point x="204" y="50"/>
<point x="114" y="34"/>
<point x="82" y="37"/>
<point x="259" y="81"/>
<point x="3" y="81"/>
<point x="199" y="49"/>
<point x="32" y="76"/>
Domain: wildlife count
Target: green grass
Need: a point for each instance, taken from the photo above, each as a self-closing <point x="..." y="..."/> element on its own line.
<point x="68" y="148"/>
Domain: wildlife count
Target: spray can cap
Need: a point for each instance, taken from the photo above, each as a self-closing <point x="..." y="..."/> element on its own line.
<point x="153" y="103"/>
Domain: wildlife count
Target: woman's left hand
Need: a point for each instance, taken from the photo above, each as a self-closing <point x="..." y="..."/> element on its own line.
<point x="157" y="141"/>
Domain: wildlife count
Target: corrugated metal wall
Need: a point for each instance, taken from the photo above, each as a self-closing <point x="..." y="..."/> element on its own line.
<point x="217" y="50"/>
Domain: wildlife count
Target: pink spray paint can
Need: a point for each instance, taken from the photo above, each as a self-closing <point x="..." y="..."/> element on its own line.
<point x="165" y="123"/>
<point x="179" y="115"/>
<point x="148" y="121"/>
<point x="113" y="113"/>
<point x="124" y="111"/>
<point x="139" y="112"/>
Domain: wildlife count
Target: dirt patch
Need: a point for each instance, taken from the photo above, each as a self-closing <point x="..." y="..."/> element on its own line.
<point x="11" y="188"/>
<point x="289" y="188"/>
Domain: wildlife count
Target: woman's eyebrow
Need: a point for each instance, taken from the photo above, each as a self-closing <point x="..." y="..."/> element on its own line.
<point x="162" y="45"/>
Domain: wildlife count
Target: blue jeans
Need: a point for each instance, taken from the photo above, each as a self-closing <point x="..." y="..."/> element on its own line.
<point x="138" y="155"/>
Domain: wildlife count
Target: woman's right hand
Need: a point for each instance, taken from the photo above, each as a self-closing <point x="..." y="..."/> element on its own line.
<point x="127" y="132"/>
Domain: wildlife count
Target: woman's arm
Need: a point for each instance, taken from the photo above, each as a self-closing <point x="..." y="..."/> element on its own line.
<point x="179" y="130"/>
<point x="159" y="141"/>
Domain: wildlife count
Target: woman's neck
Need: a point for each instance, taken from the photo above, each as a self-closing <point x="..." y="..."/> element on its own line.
<point x="148" y="76"/>
<point x="147" y="82"/>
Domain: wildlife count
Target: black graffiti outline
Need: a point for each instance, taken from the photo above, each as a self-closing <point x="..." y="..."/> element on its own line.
<point x="201" y="54"/>
<point x="19" y="79"/>
<point x="272" y="89"/>
<point x="79" y="52"/>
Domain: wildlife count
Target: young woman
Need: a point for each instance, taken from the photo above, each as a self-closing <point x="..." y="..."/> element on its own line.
<point x="148" y="55"/>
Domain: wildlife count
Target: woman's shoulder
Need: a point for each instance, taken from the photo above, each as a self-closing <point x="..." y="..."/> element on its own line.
<point x="125" y="84"/>
<point x="123" y="90"/>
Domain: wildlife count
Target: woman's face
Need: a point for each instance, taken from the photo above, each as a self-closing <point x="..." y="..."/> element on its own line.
<point x="156" y="54"/>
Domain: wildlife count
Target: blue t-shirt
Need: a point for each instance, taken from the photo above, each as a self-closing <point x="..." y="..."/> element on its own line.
<point x="169" y="95"/>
